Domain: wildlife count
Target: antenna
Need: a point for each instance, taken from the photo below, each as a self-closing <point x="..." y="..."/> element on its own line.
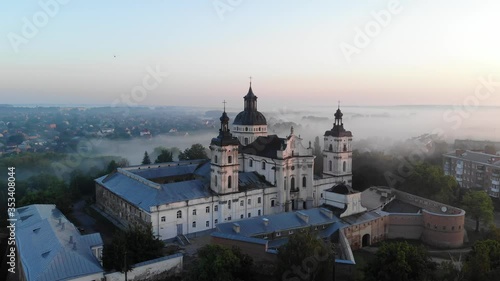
<point x="224" y="102"/>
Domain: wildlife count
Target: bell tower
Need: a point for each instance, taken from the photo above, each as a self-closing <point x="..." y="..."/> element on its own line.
<point x="337" y="151"/>
<point x="224" y="162"/>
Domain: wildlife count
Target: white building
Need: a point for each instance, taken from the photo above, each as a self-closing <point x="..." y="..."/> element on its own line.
<point x="250" y="173"/>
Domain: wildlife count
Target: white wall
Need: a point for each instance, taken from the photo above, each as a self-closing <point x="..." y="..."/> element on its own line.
<point x="147" y="271"/>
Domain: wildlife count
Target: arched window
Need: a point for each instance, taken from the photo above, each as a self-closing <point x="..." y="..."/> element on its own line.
<point x="344" y="166"/>
<point x="345" y="147"/>
<point x="304" y="182"/>
<point x="179" y="214"/>
<point x="194" y="212"/>
<point x="229" y="182"/>
<point x="215" y="159"/>
<point x="230" y="159"/>
<point x="330" y="165"/>
<point x="194" y="224"/>
<point x="272" y="203"/>
<point x="292" y="183"/>
<point x="246" y="141"/>
<point x="330" y="148"/>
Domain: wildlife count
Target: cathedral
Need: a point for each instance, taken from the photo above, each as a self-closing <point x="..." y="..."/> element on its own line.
<point x="249" y="174"/>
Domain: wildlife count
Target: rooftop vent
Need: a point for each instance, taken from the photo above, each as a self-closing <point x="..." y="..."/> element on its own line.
<point x="303" y="217"/>
<point x="236" y="227"/>
<point x="266" y="221"/>
<point x="327" y="213"/>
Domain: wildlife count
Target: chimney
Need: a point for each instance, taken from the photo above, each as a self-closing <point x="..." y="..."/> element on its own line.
<point x="303" y="216"/>
<point x="327" y="213"/>
<point x="71" y="239"/>
<point x="266" y="221"/>
<point x="236" y="227"/>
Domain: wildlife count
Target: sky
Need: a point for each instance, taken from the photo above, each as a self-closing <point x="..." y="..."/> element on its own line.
<point x="199" y="53"/>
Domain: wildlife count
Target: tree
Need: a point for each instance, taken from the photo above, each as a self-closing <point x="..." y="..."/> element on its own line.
<point x="304" y="257"/>
<point x="138" y="244"/>
<point x="15" y="139"/>
<point x="217" y="262"/>
<point x="165" y="156"/>
<point x="145" y="159"/>
<point x="430" y="182"/>
<point x="479" y="206"/>
<point x="483" y="261"/>
<point x="197" y="151"/>
<point x="400" y="261"/>
<point x="318" y="161"/>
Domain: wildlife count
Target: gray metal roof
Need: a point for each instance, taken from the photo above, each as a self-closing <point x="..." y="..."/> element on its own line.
<point x="43" y="238"/>
<point x="143" y="193"/>
<point x="278" y="222"/>
<point x="476" y="157"/>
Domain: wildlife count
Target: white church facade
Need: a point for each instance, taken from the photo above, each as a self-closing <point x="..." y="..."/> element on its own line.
<point x="249" y="174"/>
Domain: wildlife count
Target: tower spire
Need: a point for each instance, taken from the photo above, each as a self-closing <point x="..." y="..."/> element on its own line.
<point x="250" y="81"/>
<point x="224" y="102"/>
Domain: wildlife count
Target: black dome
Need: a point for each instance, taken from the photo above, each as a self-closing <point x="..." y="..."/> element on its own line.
<point x="250" y="118"/>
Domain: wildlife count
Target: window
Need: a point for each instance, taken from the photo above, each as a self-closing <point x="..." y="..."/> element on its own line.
<point x="263" y="165"/>
<point x="250" y="163"/>
<point x="321" y="195"/>
<point x="259" y="200"/>
<point x="207" y="224"/>
<point x="344" y="166"/>
<point x="330" y="165"/>
<point x="216" y="221"/>
<point x="229" y="204"/>
<point x="304" y="182"/>
<point x="163" y="219"/>
<point x="330" y="148"/>
<point x="216" y="208"/>
<point x="249" y="215"/>
<point x="278" y="234"/>
<point x="179" y="214"/>
<point x="249" y="201"/>
<point x="246" y="141"/>
<point x="345" y="147"/>
<point x="228" y="218"/>
<point x="292" y="183"/>
<point x="290" y="232"/>
<point x="242" y="202"/>
<point x="272" y="203"/>
<point x="229" y="182"/>
<point x="194" y="212"/>
<point x="194" y="224"/>
<point x="207" y="210"/>
<point x="230" y="159"/>
<point x="215" y="180"/>
<point x="258" y="213"/>
<point x="241" y="216"/>
<point x="215" y="159"/>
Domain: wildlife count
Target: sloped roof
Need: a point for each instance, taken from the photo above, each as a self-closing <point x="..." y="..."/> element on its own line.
<point x="43" y="236"/>
<point x="278" y="222"/>
<point x="265" y="146"/>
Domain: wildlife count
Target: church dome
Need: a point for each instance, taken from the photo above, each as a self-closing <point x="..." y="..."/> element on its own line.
<point x="250" y="116"/>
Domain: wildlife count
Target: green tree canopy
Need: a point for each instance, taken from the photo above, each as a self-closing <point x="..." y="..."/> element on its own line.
<point x="138" y="244"/>
<point x="196" y="151"/>
<point x="145" y="159"/>
<point x="164" y="156"/>
<point x="479" y="206"/>
<point x="219" y="263"/>
<point x="430" y="182"/>
<point x="304" y="257"/>
<point x="483" y="261"/>
<point x="400" y="261"/>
